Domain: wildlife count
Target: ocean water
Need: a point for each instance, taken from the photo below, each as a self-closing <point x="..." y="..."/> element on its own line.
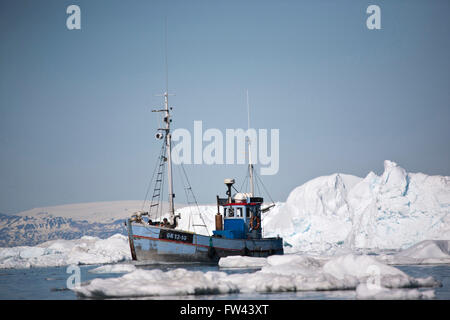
<point x="51" y="283"/>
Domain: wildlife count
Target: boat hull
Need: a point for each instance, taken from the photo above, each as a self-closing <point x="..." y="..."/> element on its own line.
<point x="172" y="245"/>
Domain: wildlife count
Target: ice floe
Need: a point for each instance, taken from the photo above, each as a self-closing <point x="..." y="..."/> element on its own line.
<point x="86" y="250"/>
<point x="288" y="273"/>
<point x="366" y="292"/>
<point x="242" y="262"/>
<point x="424" y="252"/>
<point x="114" y="268"/>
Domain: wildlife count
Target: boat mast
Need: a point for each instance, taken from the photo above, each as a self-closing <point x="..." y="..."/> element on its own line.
<point x="250" y="163"/>
<point x="169" y="153"/>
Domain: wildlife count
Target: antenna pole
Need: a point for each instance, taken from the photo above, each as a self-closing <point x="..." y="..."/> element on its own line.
<point x="250" y="163"/>
<point x="165" y="55"/>
<point x="168" y="134"/>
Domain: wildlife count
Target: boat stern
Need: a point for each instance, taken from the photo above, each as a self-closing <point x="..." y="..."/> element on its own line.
<point x="130" y="239"/>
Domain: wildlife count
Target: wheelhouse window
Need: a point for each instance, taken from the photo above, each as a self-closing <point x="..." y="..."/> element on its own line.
<point x="239" y="212"/>
<point x="230" y="212"/>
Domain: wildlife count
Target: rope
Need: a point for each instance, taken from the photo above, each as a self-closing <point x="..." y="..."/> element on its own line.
<point x="257" y="177"/>
<point x="187" y="200"/>
<point x="195" y="199"/>
<point x="149" y="184"/>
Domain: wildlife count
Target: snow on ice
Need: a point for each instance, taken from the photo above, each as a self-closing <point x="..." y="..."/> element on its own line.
<point x="86" y="250"/>
<point x="424" y="252"/>
<point x="242" y="262"/>
<point x="290" y="273"/>
<point x="114" y="268"/>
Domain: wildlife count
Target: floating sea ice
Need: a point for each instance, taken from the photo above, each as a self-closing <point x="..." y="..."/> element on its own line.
<point x="141" y="283"/>
<point x="365" y="291"/>
<point x="424" y="252"/>
<point x="242" y="262"/>
<point x="86" y="250"/>
<point x="288" y="273"/>
<point x="114" y="268"/>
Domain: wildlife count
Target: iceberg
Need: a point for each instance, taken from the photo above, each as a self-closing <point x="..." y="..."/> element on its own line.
<point x="392" y="211"/>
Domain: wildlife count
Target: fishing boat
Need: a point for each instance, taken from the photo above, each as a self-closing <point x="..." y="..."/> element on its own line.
<point x="238" y="225"/>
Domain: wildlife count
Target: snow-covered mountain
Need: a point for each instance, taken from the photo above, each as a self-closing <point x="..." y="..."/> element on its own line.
<point x="71" y="221"/>
<point x="29" y="231"/>
<point x="101" y="212"/>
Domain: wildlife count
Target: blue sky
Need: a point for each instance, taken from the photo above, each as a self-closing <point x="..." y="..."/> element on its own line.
<point x="75" y="120"/>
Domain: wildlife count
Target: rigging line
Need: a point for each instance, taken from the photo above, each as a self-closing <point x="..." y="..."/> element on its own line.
<point x="257" y="187"/>
<point x="247" y="179"/>
<point x="195" y="199"/>
<point x="257" y="177"/>
<point x="187" y="181"/>
<point x="187" y="200"/>
<point x="191" y="217"/>
<point x="150" y="183"/>
<point x="235" y="189"/>
<point x="242" y="184"/>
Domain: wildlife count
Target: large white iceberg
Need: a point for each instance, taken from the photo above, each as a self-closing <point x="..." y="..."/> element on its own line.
<point x="391" y="211"/>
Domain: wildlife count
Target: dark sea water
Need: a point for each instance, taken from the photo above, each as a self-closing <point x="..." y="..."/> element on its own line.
<point x="50" y="283"/>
